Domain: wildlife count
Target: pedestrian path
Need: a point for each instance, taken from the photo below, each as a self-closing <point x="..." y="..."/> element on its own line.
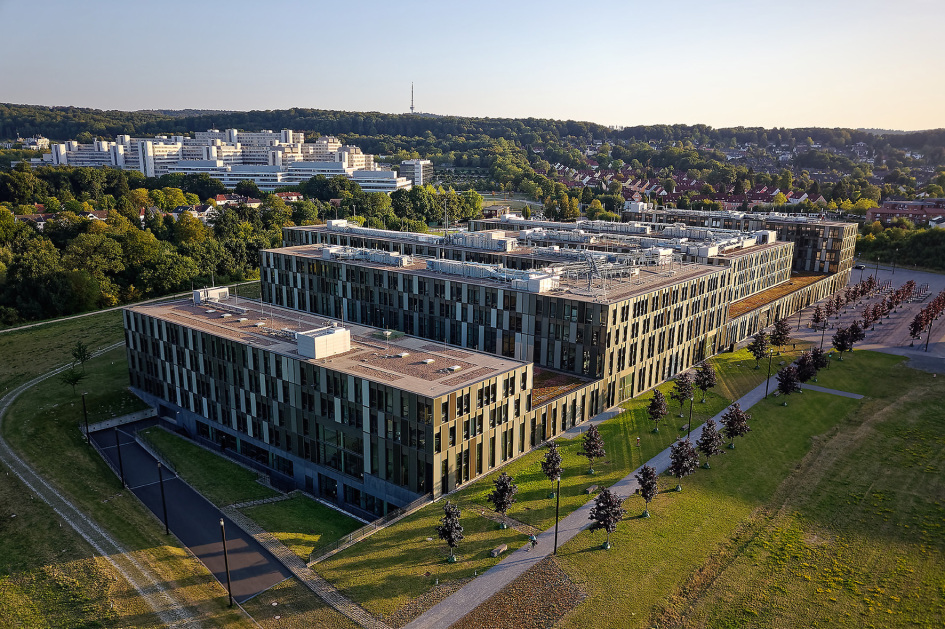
<point x="814" y="387"/>
<point x="505" y="572"/>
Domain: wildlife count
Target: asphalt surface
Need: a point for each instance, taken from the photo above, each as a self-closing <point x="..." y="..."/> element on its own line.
<point x="194" y="520"/>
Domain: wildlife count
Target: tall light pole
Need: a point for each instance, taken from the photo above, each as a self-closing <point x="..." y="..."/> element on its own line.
<point x="121" y="467"/>
<point x="689" y="427"/>
<point x="226" y="562"/>
<point x="768" y="381"/>
<point x="822" y="335"/>
<point x="895" y="255"/>
<point x="557" y="508"/>
<point x="85" y="413"/>
<point x="160" y="467"/>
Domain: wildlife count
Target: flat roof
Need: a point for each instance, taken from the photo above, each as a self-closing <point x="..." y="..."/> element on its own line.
<point x="371" y="356"/>
<point x="608" y="291"/>
<point x="797" y="282"/>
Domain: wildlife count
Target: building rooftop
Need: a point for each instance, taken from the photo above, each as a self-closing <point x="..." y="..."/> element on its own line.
<point x="796" y="283"/>
<point x="602" y="291"/>
<point x="405" y="362"/>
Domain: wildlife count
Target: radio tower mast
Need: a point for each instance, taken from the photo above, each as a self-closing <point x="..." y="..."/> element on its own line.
<point x="411" y="97"/>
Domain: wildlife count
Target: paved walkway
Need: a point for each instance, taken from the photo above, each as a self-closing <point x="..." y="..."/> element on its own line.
<point x="814" y="387"/>
<point x="505" y="572"/>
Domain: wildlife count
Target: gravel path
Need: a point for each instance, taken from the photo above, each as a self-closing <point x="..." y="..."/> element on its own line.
<point x="150" y="588"/>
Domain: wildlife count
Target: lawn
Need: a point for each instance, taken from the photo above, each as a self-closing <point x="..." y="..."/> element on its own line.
<point x="34" y="351"/>
<point x="218" y="479"/>
<point x="651" y="556"/>
<point x="50" y="577"/>
<point x="857" y="537"/>
<point x="302" y="524"/>
<point x="737" y="374"/>
<point x="291" y="605"/>
<point x="42" y="426"/>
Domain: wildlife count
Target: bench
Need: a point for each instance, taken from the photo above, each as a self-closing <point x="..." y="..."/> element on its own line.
<point x="498" y="550"/>
<point x="780" y="364"/>
<point x="684" y="428"/>
<point x="776" y="393"/>
<point x="591" y="489"/>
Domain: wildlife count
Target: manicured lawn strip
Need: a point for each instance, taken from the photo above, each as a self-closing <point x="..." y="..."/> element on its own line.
<point x="291" y="605"/>
<point x="397" y="564"/>
<point x="34" y="351"/>
<point x="861" y="538"/>
<point x="867" y="373"/>
<point x="737" y="374"/>
<point x="220" y="480"/>
<point x="301" y="523"/>
<point x="651" y="555"/>
<point x="42" y="426"/>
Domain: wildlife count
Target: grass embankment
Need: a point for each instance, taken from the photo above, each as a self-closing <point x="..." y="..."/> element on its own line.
<point x="855" y="537"/>
<point x="396" y="565"/>
<point x="42" y="425"/>
<point x="34" y="351"/>
<point x="218" y="479"/>
<point x="291" y="605"/>
<point x="302" y="524"/>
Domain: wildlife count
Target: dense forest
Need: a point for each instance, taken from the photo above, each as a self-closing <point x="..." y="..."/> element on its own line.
<point x="135" y="246"/>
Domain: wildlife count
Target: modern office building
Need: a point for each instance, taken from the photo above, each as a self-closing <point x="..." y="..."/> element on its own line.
<point x="418" y="171"/>
<point x="369" y="420"/>
<point x="383" y="366"/>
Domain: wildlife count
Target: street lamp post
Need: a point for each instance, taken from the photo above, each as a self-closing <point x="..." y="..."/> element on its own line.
<point x="822" y="335"/>
<point x="800" y="311"/>
<point x="160" y="467"/>
<point x="689" y="427"/>
<point x="85" y="413"/>
<point x="895" y="255"/>
<point x="557" y="507"/>
<point x="768" y="381"/>
<point x="121" y="467"/>
<point x="226" y="562"/>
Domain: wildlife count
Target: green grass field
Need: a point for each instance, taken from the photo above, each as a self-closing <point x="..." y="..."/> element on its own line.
<point x="302" y="524"/>
<point x="291" y="605"/>
<point x="31" y="352"/>
<point x="218" y="479"/>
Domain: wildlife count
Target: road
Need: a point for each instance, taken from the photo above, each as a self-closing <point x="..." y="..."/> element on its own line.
<point x="193" y="519"/>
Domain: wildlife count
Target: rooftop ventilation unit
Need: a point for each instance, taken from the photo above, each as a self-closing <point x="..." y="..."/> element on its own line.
<point x="211" y="311"/>
<point x="454" y="368"/>
<point x="242" y="319"/>
<point x="261" y="324"/>
<point x="427" y="361"/>
<point x="225" y="315"/>
<point x="403" y="354"/>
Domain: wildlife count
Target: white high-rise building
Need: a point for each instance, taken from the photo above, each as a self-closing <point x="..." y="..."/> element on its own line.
<point x="418" y="171"/>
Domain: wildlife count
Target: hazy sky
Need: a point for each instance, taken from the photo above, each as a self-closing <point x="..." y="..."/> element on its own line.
<point x="828" y="63"/>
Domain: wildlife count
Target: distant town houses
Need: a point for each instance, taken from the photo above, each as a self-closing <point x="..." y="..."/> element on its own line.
<point x="270" y="159"/>
<point x="36" y="143"/>
<point x="921" y="212"/>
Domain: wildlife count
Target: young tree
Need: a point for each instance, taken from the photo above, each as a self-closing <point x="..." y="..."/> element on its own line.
<point x="818" y="317"/>
<point x="710" y="442"/>
<point x="856" y="333"/>
<point x="449" y="529"/>
<point x="551" y="465"/>
<point x="838" y="304"/>
<point x="841" y="341"/>
<point x="705" y="378"/>
<point x="606" y="513"/>
<point x="647" y="477"/>
<point x="503" y="496"/>
<point x="917" y="326"/>
<point x="72" y="378"/>
<point x="788" y="381"/>
<point x="682" y="389"/>
<point x="735" y="423"/>
<point x="657" y="408"/>
<point x="81" y="354"/>
<point x="758" y="347"/>
<point x="806" y="367"/>
<point x="683" y="460"/>
<point x="829" y="310"/>
<point x="781" y="335"/>
<point x="593" y="446"/>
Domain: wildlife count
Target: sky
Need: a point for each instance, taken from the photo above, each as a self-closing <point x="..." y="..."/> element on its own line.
<point x="792" y="63"/>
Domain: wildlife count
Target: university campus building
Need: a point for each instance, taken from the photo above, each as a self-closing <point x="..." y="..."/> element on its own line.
<point x="383" y="366"/>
